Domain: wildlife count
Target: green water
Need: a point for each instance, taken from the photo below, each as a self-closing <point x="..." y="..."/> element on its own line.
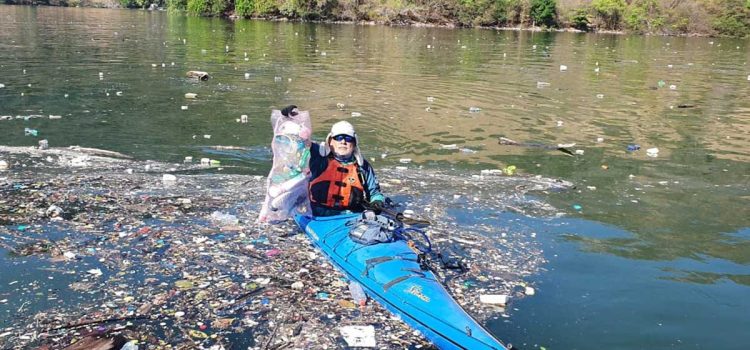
<point x="673" y="230"/>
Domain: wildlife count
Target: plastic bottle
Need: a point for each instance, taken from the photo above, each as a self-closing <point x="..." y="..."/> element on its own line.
<point x="358" y="294"/>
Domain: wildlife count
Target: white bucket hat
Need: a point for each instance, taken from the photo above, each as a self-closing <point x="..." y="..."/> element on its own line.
<point x="343" y="128"/>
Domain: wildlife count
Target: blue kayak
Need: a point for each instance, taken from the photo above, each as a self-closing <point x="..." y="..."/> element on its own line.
<point x="391" y="275"/>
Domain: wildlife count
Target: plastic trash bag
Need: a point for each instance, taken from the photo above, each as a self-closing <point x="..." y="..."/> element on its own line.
<point x="286" y="187"/>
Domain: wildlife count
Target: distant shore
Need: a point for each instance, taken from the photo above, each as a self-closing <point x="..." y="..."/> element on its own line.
<point x="409" y="20"/>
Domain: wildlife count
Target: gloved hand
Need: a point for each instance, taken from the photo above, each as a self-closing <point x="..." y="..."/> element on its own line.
<point x="289" y="111"/>
<point x="376" y="206"/>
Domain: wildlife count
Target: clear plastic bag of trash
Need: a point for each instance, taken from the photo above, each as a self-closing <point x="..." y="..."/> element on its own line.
<point x="286" y="187"/>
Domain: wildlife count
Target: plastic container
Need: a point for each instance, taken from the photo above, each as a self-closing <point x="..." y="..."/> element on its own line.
<point x="358" y="293"/>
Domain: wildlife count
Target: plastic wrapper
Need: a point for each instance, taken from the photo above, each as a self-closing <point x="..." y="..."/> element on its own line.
<point x="286" y="191"/>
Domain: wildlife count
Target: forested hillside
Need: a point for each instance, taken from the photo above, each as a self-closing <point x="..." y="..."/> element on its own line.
<point x="706" y="17"/>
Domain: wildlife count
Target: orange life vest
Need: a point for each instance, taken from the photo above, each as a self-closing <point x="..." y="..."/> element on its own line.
<point x="338" y="187"/>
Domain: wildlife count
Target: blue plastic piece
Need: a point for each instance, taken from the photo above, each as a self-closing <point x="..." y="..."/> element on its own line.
<point x="633" y="147"/>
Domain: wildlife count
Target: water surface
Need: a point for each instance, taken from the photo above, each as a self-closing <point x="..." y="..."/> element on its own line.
<point x="658" y="256"/>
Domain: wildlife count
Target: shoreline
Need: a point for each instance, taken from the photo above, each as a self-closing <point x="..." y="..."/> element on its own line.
<point x="108" y="4"/>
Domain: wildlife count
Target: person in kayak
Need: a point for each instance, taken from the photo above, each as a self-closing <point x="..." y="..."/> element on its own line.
<point x="341" y="179"/>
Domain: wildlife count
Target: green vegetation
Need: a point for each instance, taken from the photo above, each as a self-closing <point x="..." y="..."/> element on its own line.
<point x="672" y="17"/>
<point x="544" y="12"/>
<point x="709" y="17"/>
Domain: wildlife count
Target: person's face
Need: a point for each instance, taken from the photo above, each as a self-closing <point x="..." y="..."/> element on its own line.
<point x="342" y="145"/>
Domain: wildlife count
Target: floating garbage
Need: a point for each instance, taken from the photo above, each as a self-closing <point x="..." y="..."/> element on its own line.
<point x="358" y="293"/>
<point x="3" y="85"/>
<point x="30" y="132"/>
<point x="80" y="161"/>
<point x="633" y="147"/>
<point x="563" y="68"/>
<point x="494" y="299"/>
<point x="529" y="291"/>
<point x="450" y="146"/>
<point x="4" y="165"/>
<point x="579" y="152"/>
<point x="430" y="99"/>
<point x="243" y="119"/>
<point x="234" y="281"/>
<point x="199" y="75"/>
<point x="600" y="139"/>
<point x="55" y="117"/>
<point x="247" y="75"/>
<point x="359" y="336"/>
<point x="184" y="108"/>
<point x="340" y="105"/>
<point x="474" y="109"/>
<point x="43" y="144"/>
<point x="577" y="207"/>
<point x="661" y="83"/>
<point x="224" y="219"/>
<point x="672" y="87"/>
<point x="169" y="179"/>
<point x="191" y="95"/>
<point x="491" y="172"/>
<point x="356" y="114"/>
<point x="652" y="152"/>
<point x="542" y="84"/>
<point x="599" y="95"/>
<point x="277" y="79"/>
<point x="404" y="160"/>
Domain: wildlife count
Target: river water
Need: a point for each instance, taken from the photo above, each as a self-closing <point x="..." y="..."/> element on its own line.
<point x="653" y="252"/>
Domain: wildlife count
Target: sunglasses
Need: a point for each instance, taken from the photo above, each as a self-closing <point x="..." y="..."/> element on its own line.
<point x="347" y="138"/>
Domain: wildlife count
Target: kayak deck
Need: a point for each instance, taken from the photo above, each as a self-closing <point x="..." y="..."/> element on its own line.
<point x="391" y="275"/>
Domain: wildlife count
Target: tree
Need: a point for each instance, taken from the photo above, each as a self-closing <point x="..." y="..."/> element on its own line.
<point x="544" y="12"/>
<point x="610" y="12"/>
<point x="732" y="17"/>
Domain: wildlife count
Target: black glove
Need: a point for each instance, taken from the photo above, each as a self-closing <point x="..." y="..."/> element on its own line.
<point x="376" y="206"/>
<point x="289" y="111"/>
